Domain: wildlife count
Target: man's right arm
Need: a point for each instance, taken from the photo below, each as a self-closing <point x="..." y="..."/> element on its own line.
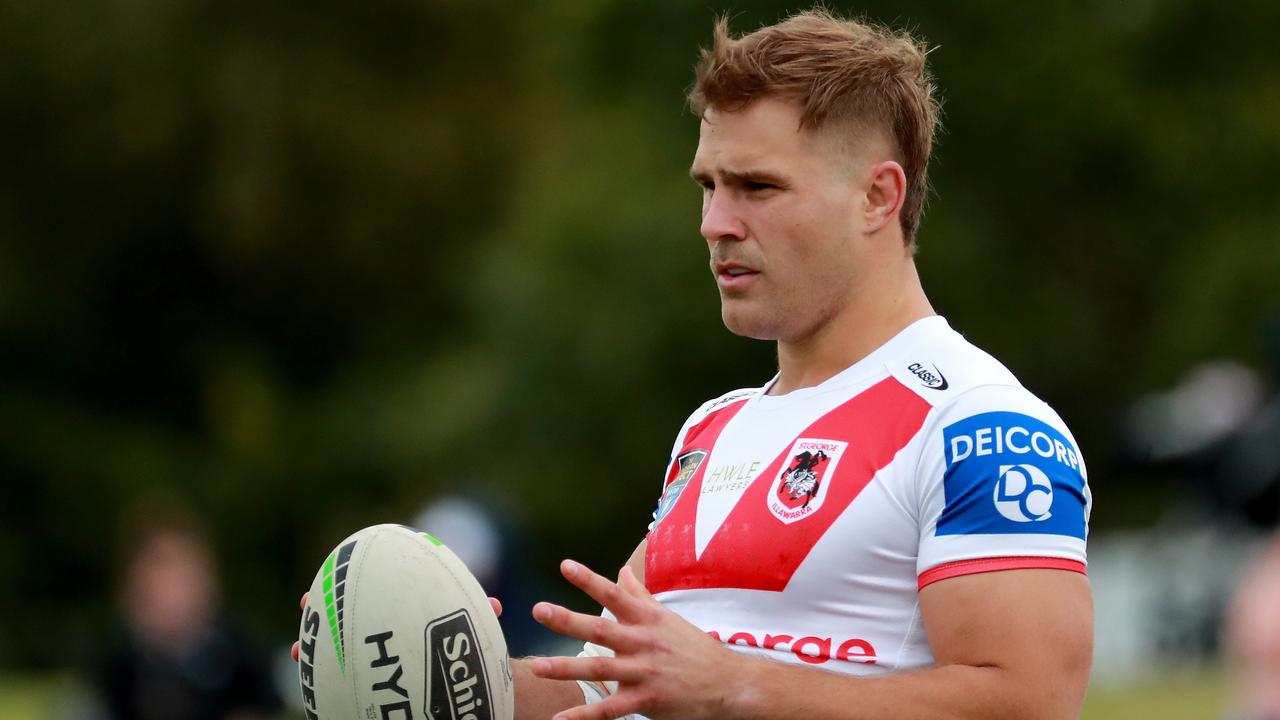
<point x="541" y="698"/>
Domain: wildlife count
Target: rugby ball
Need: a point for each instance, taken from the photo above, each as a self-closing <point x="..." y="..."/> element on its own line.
<point x="396" y="628"/>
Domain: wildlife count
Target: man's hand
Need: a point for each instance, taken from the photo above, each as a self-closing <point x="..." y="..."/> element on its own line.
<point x="302" y="604"/>
<point x="1013" y="644"/>
<point x="664" y="666"/>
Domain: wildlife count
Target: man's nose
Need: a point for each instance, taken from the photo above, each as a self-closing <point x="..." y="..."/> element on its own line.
<point x="720" y="220"/>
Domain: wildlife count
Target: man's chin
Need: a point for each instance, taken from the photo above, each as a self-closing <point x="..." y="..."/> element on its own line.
<point x="747" y="324"/>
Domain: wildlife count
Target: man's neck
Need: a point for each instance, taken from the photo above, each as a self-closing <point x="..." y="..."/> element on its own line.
<point x="862" y="327"/>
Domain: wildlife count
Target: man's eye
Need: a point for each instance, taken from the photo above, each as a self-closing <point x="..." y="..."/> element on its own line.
<point x="753" y="186"/>
<point x="708" y="186"/>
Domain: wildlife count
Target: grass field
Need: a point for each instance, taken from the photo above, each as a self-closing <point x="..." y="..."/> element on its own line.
<point x="1200" y="695"/>
<point x="30" y="698"/>
<point x="1184" y="696"/>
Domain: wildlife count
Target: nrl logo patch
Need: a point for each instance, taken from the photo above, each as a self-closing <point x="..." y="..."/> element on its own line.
<point x="688" y="464"/>
<point x="800" y="489"/>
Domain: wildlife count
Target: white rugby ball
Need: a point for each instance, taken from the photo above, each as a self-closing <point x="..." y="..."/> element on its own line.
<point x="396" y="628"/>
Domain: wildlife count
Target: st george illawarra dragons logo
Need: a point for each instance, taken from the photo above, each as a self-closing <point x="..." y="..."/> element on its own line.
<point x="800" y="481"/>
<point x="799" y="490"/>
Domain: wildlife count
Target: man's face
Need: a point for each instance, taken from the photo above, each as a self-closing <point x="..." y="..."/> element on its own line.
<point x="782" y="215"/>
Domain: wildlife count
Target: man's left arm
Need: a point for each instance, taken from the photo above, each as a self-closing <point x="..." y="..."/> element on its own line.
<point x="1007" y="644"/>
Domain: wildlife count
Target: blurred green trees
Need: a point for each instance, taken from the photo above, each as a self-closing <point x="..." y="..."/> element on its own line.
<point x="310" y="266"/>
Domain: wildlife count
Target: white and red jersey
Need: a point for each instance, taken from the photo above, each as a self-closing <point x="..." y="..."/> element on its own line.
<point x="802" y="527"/>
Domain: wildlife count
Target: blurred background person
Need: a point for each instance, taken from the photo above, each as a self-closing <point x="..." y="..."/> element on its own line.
<point x="496" y="549"/>
<point x="1253" y="637"/>
<point x="174" y="655"/>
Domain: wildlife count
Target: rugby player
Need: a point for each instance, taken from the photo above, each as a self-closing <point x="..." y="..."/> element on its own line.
<point x="891" y="527"/>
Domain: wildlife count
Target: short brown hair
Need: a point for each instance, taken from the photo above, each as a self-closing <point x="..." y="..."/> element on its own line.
<point x="839" y="71"/>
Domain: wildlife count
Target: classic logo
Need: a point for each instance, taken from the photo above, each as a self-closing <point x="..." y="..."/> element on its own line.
<point x="688" y="464"/>
<point x="1023" y="493"/>
<point x="457" y="686"/>
<point x="930" y="377"/>
<point x="730" y="398"/>
<point x="800" y="489"/>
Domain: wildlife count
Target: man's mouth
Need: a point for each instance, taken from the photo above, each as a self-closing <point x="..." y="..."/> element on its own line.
<point x="732" y="275"/>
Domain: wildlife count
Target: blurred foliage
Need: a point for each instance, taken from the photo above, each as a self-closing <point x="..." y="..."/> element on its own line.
<point x="309" y="266"/>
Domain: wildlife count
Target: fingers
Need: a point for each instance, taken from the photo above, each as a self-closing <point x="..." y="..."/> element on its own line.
<point x="497" y="606"/>
<point x="587" y="668"/>
<point x="601" y="589"/>
<point x="615" y="706"/>
<point x="629" y="582"/>
<point x="589" y="628"/>
<point x="302" y="605"/>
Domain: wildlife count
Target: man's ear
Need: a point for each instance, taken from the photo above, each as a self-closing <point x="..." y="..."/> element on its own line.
<point x="886" y="190"/>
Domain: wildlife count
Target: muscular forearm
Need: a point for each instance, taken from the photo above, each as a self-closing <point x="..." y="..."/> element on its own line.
<point x="769" y="690"/>
<point x="538" y="698"/>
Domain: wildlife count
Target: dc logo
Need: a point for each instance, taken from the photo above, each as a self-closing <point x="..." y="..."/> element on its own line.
<point x="1023" y="493"/>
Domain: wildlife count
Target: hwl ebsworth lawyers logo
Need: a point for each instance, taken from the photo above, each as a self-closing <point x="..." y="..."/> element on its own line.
<point x="801" y="487"/>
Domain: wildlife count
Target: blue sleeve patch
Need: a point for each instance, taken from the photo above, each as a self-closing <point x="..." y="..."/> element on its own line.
<point x="1009" y="473"/>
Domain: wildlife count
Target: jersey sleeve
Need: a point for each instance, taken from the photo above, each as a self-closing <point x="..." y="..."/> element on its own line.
<point x="1001" y="485"/>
